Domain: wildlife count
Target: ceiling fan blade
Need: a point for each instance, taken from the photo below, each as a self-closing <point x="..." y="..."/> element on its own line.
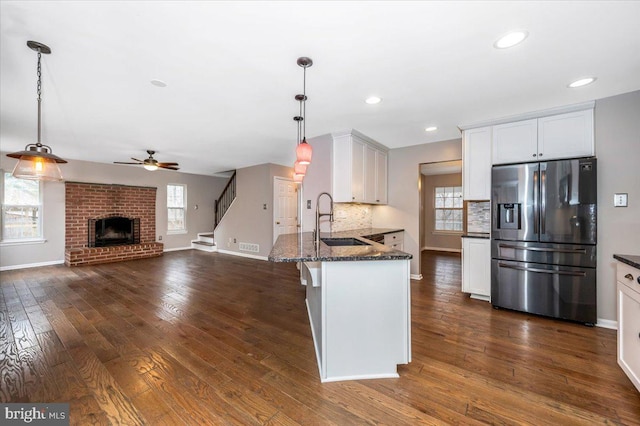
<point x="168" y="167"/>
<point x="167" y="164"/>
<point x="139" y="161"/>
<point x="123" y="162"/>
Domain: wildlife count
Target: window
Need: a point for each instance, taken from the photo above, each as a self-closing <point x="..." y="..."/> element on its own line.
<point x="448" y="208"/>
<point x="176" y="202"/>
<point x="21" y="209"/>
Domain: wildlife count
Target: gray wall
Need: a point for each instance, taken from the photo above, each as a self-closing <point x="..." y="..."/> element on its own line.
<point x="247" y="220"/>
<point x="430" y="238"/>
<point x="201" y="191"/>
<point x="617" y="124"/>
<point x="403" y="210"/>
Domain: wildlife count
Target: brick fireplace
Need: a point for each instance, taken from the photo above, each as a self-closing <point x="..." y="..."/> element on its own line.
<point x="88" y="203"/>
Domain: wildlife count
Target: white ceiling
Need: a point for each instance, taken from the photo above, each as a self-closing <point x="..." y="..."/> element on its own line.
<point x="232" y="75"/>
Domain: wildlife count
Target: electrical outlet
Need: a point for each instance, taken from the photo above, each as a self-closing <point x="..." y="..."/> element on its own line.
<point x="160" y="238"/>
<point x="234" y="241"/>
<point x="308" y="204"/>
<point x="620" y="200"/>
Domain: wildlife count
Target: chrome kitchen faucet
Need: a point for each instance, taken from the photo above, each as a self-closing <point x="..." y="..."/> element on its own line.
<point x="318" y="215"/>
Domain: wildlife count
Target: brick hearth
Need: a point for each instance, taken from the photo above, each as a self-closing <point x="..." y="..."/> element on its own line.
<point x="86" y="201"/>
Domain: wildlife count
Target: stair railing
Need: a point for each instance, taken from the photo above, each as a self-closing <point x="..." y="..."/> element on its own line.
<point x="226" y="198"/>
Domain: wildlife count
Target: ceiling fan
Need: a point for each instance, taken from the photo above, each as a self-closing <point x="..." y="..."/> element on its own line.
<point x="151" y="163"/>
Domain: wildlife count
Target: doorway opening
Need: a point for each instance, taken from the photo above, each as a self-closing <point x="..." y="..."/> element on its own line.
<point x="441" y="213"/>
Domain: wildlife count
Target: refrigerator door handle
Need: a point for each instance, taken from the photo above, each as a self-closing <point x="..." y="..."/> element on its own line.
<point x="543" y="201"/>
<point x="553" y="250"/>
<point x="536" y="216"/>
<point x="543" y="271"/>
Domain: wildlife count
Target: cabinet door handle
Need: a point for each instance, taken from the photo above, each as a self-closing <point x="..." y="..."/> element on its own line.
<point x="534" y="155"/>
<point x="277" y="223"/>
<point x="629" y="277"/>
<point x="540" y="155"/>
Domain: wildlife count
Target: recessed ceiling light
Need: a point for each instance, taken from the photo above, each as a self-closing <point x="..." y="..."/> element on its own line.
<point x="158" y="83"/>
<point x="431" y="129"/>
<point x="510" y="39"/>
<point x="582" y="82"/>
<point x="372" y="100"/>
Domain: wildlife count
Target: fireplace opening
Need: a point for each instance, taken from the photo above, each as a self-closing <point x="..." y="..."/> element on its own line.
<point x="114" y="231"/>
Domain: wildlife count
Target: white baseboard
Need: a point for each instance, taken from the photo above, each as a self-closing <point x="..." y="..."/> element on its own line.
<point x="31" y="265"/>
<point x="415" y="276"/>
<point x="250" y="256"/>
<point x="441" y="249"/>
<point x="604" y="323"/>
<point x="177" y="249"/>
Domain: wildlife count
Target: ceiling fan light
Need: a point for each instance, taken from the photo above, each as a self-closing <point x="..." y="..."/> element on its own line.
<point x="150" y="167"/>
<point x="304" y="152"/>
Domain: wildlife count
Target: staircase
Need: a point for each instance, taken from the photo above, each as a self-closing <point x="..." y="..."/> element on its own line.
<point x="204" y="242"/>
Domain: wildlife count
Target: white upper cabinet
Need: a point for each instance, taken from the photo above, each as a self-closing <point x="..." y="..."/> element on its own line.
<point x="566" y="135"/>
<point x="546" y="138"/>
<point x="515" y="142"/>
<point x="381" y="177"/>
<point x="359" y="170"/>
<point x="476" y="164"/>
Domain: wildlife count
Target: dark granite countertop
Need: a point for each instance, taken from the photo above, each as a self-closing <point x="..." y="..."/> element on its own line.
<point x="629" y="259"/>
<point x="301" y="247"/>
<point x="482" y="235"/>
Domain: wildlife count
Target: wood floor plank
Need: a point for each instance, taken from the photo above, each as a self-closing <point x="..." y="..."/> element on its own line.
<point x="208" y="338"/>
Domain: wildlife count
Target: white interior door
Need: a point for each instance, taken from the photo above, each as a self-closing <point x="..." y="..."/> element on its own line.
<point x="285" y="209"/>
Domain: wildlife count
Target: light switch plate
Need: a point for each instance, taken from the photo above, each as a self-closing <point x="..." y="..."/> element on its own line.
<point x="620" y="200"/>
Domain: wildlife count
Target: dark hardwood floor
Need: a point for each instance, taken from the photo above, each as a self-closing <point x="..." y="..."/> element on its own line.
<point x="206" y="338"/>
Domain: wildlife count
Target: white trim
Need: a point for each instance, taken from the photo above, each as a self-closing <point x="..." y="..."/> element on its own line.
<point x="605" y="323"/>
<point x="442" y="249"/>
<point x="7" y="243"/>
<point x="480" y="297"/>
<point x="528" y="116"/>
<point x="416" y="276"/>
<point x="250" y="256"/>
<point x="31" y="265"/>
<point x="361" y="377"/>
<point x="165" y="250"/>
<point x="178" y="232"/>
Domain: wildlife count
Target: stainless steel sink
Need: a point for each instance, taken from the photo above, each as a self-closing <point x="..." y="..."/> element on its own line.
<point x="344" y="242"/>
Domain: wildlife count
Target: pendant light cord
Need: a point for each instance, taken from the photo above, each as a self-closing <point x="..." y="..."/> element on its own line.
<point x="39" y="88"/>
<point x="304" y="104"/>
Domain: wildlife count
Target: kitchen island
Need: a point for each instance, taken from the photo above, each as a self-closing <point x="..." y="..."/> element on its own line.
<point x="358" y="301"/>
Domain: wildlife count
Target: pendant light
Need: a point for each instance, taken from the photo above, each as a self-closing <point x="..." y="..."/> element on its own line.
<point x="304" y="150"/>
<point x="37" y="162"/>
<point x="299" y="170"/>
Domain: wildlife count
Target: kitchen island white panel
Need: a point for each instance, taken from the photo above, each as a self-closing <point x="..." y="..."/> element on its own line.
<point x="360" y="318"/>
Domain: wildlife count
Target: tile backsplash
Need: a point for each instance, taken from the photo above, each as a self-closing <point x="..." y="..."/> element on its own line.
<point x="351" y="216"/>
<point x="479" y="216"/>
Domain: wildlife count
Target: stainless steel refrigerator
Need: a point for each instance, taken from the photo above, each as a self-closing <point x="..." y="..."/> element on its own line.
<point x="543" y="238"/>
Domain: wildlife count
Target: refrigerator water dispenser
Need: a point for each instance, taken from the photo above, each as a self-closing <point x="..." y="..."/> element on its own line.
<point x="509" y="215"/>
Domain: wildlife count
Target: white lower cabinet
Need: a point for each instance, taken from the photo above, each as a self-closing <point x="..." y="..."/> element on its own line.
<point x="395" y="240"/>
<point x="476" y="267"/>
<point x="629" y="322"/>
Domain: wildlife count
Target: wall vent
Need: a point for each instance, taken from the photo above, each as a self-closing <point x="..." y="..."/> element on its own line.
<point x="255" y="248"/>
